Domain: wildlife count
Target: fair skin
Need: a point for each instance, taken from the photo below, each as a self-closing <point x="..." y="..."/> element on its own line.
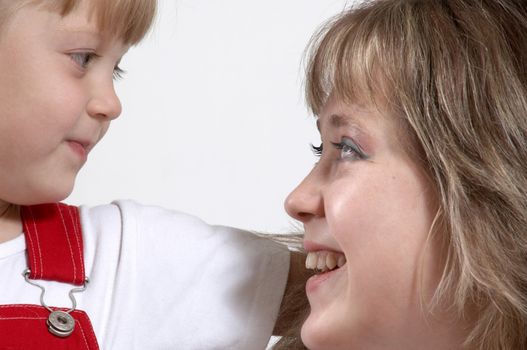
<point x="57" y="100"/>
<point x="367" y="201"/>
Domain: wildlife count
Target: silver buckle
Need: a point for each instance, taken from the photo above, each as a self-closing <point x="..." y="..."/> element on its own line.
<point x="60" y="323"/>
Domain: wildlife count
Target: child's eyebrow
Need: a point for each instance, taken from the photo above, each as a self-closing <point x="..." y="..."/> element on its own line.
<point x="80" y="30"/>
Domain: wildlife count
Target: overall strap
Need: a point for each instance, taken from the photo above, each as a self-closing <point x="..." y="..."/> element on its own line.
<point x="54" y="242"/>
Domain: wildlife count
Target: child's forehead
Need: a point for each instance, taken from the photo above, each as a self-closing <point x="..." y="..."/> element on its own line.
<point x="81" y="19"/>
<point x="47" y="23"/>
<point x="128" y="20"/>
<point x="82" y="16"/>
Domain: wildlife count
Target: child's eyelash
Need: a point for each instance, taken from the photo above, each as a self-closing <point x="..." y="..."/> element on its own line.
<point x="118" y="73"/>
<point x="83" y="59"/>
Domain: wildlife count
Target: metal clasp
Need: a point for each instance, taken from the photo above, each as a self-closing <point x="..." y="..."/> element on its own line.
<point x="59" y="323"/>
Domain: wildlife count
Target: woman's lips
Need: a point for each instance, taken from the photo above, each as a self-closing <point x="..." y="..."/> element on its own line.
<point x="311" y="246"/>
<point x="314" y="282"/>
<point x="321" y="257"/>
<point x="326" y="264"/>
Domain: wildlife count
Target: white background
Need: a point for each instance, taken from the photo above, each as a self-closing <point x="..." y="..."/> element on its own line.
<point x="214" y="121"/>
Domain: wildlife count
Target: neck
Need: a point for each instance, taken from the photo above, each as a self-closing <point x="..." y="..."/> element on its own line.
<point x="10" y="223"/>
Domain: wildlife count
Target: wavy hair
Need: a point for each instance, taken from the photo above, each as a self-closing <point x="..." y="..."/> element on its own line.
<point x="454" y="72"/>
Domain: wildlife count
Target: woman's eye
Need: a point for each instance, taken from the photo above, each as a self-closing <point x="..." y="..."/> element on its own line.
<point x="82" y="59"/>
<point x="349" y="150"/>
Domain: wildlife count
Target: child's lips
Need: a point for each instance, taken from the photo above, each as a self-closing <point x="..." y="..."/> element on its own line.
<point x="80" y="147"/>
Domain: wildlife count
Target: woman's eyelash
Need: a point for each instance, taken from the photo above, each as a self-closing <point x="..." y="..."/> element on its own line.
<point x="346" y="145"/>
<point x="317" y="150"/>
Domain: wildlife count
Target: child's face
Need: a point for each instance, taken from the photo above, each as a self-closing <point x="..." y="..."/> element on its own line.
<point x="56" y="100"/>
<point x="367" y="200"/>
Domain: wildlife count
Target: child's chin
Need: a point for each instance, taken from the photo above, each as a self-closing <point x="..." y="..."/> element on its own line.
<point x="59" y="195"/>
<point x="50" y="194"/>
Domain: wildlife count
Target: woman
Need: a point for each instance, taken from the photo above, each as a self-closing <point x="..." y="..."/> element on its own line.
<point x="415" y="215"/>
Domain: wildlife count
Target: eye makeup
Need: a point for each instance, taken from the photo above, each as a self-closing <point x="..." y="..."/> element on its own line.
<point x="348" y="148"/>
<point x="317" y="150"/>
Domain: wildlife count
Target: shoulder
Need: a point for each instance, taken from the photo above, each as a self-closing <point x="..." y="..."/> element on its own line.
<point x="159" y="228"/>
<point x="129" y="215"/>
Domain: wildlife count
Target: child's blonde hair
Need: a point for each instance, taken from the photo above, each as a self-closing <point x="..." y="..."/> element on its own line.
<point x="129" y="20"/>
<point x="455" y="73"/>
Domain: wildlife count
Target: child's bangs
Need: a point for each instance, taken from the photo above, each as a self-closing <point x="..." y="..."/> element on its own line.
<point x="351" y="61"/>
<point x="129" y="20"/>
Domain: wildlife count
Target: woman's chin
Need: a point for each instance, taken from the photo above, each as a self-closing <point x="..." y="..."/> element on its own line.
<point x="317" y="334"/>
<point x="309" y="334"/>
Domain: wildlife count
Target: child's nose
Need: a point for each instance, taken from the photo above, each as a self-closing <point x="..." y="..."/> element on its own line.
<point x="306" y="201"/>
<point x="104" y="103"/>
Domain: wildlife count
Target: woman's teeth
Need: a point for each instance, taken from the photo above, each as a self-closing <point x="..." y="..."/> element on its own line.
<point x="324" y="261"/>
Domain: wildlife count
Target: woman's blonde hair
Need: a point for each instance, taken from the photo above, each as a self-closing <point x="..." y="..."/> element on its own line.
<point x="455" y="73"/>
<point x="129" y="20"/>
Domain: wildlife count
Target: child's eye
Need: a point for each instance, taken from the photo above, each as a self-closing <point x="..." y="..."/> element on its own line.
<point x="118" y="73"/>
<point x="317" y="150"/>
<point x="82" y="59"/>
<point x="349" y="150"/>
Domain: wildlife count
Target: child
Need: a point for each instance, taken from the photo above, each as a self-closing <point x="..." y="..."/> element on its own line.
<point x="416" y="213"/>
<point x="146" y="278"/>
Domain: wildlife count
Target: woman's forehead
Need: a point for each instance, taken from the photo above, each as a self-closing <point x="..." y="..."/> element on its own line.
<point x="340" y="112"/>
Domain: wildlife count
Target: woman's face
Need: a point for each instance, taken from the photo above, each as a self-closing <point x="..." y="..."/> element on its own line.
<point x="368" y="202"/>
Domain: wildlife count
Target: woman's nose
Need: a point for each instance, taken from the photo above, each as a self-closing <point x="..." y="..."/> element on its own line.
<point x="306" y="201"/>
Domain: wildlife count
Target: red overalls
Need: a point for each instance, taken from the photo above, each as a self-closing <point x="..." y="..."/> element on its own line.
<point x="54" y="252"/>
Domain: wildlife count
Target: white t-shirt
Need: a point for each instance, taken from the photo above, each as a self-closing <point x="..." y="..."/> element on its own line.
<point x="161" y="279"/>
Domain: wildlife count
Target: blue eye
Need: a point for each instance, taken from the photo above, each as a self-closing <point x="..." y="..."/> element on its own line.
<point x="349" y="150"/>
<point x="82" y="59"/>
